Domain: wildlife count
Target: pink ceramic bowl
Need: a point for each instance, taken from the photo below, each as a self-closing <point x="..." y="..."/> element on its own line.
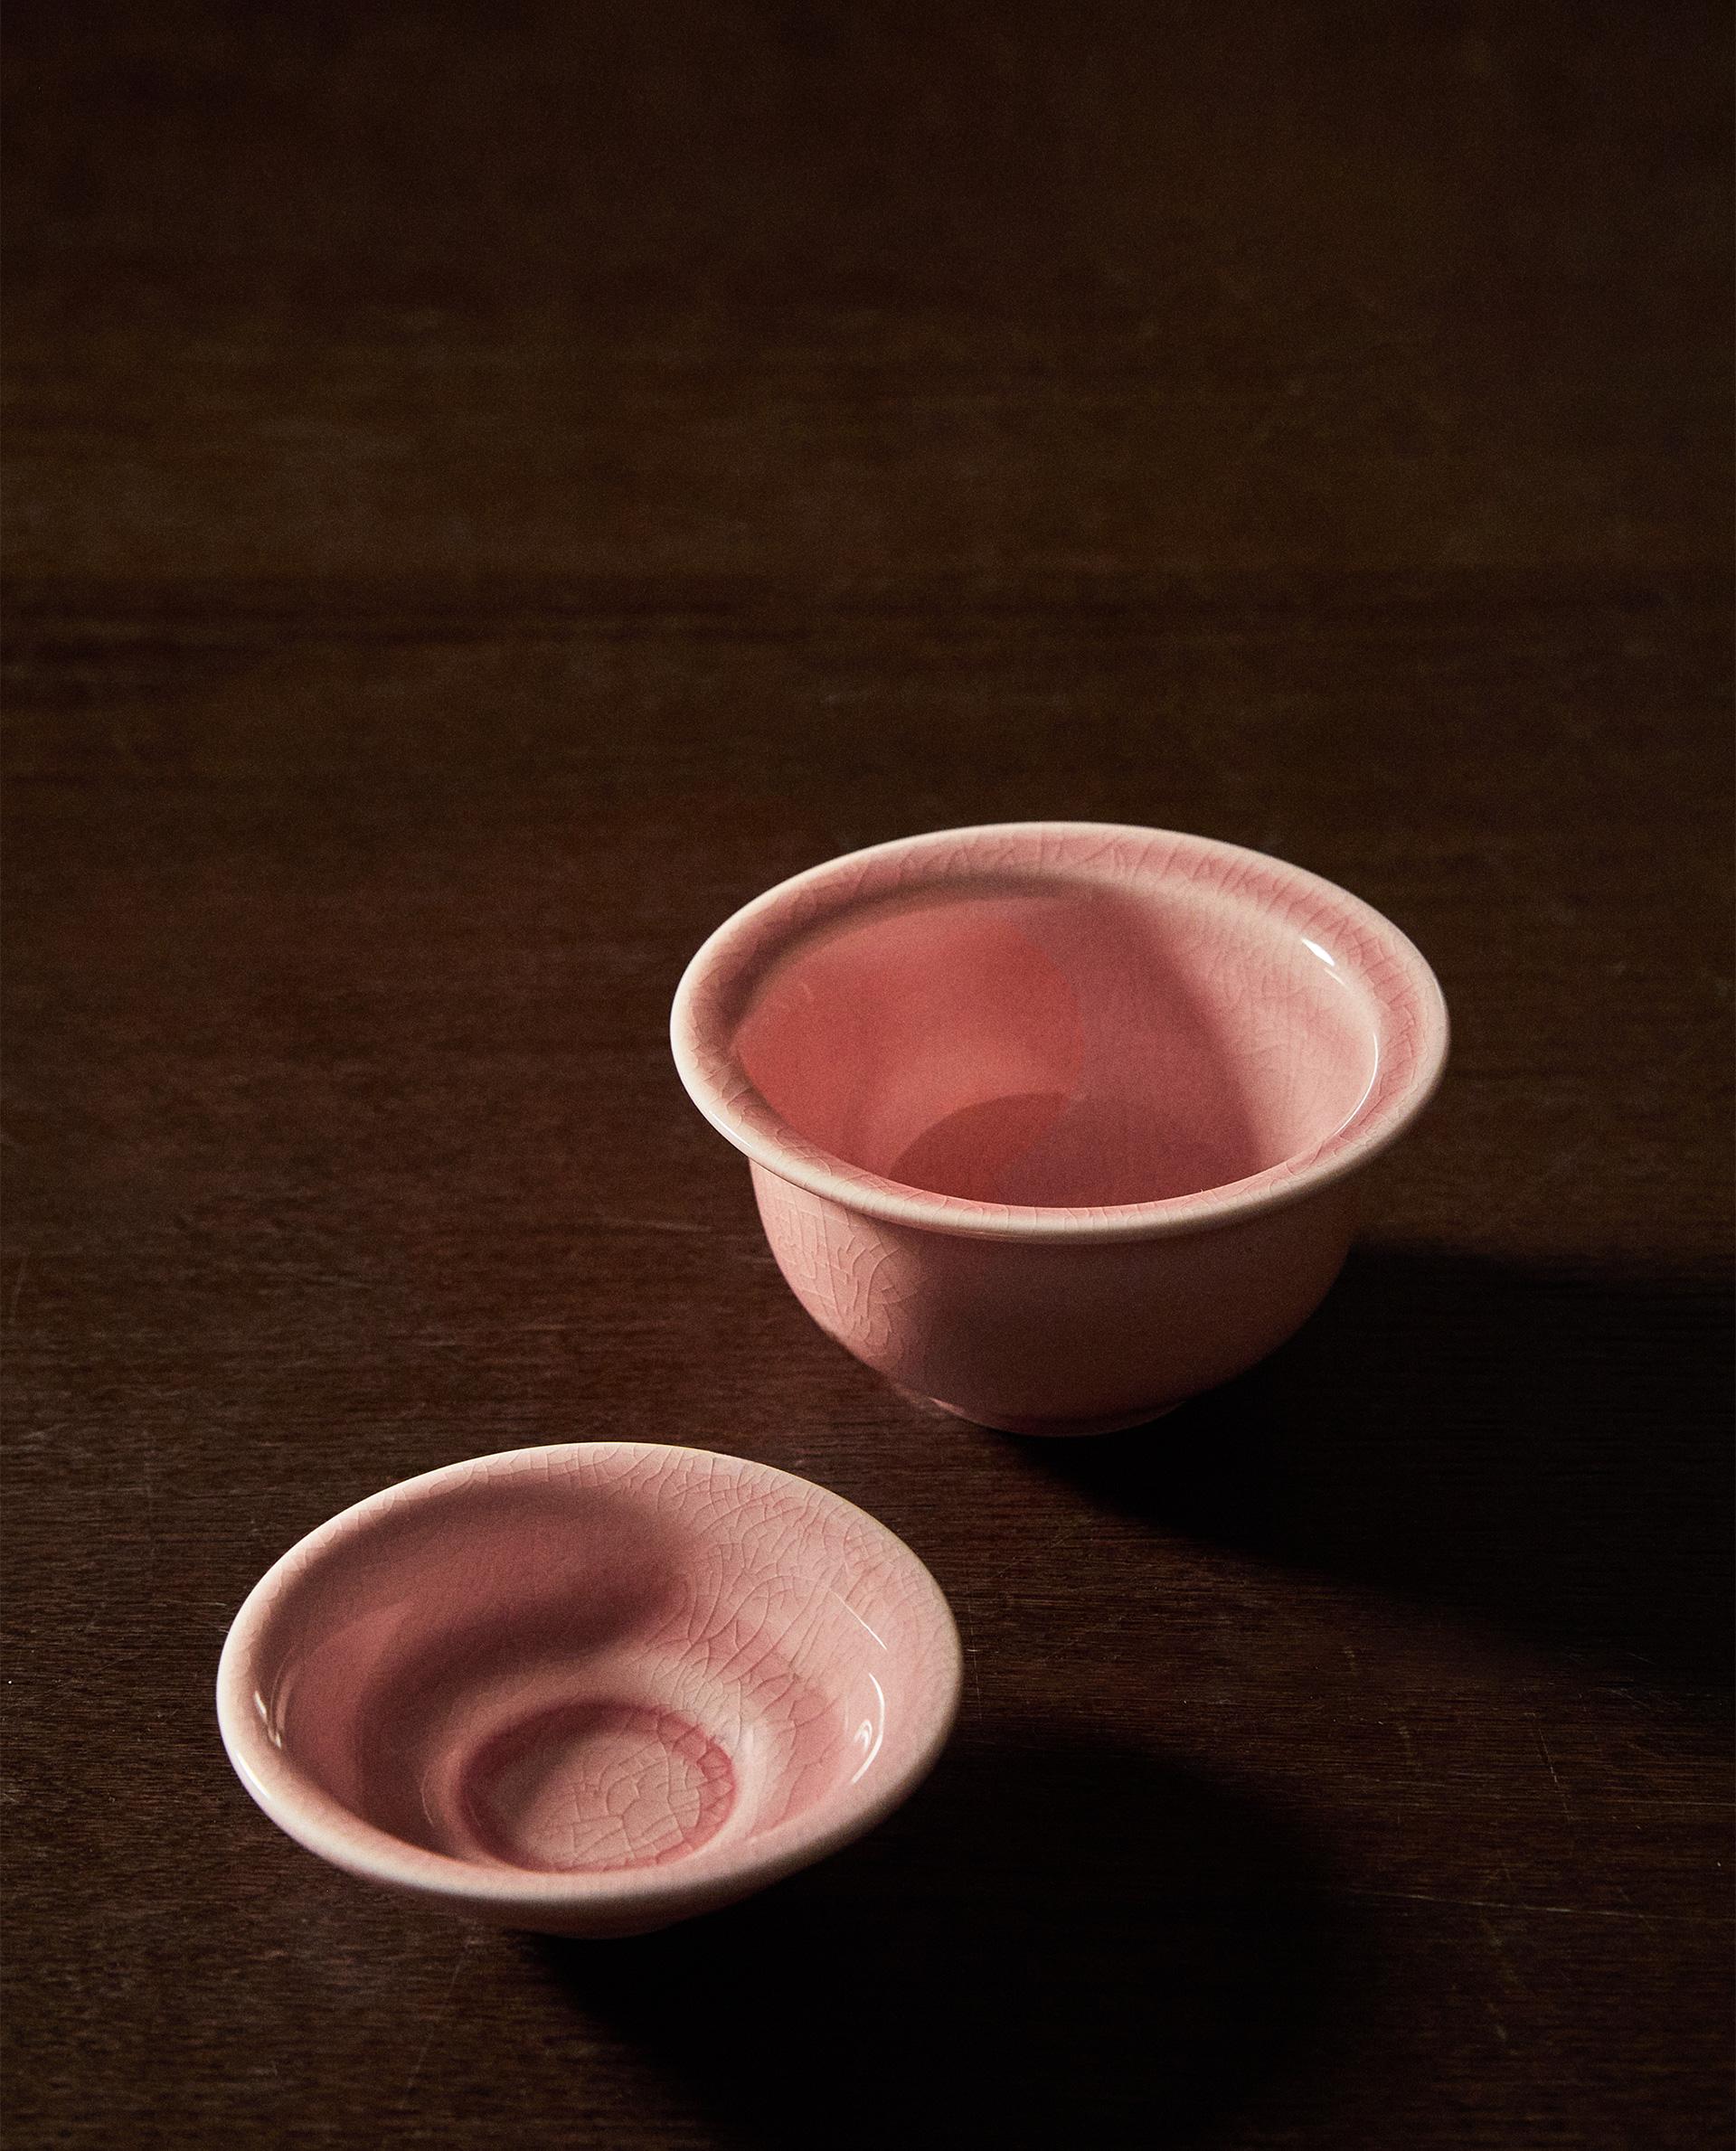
<point x="590" y="1690"/>
<point x="1053" y="1122"/>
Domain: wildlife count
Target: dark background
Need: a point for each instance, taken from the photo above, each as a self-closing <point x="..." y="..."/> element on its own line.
<point x="493" y="488"/>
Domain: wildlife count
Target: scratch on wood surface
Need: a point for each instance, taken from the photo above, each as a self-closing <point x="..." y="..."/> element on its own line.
<point x="1549" y="1764"/>
<point x="1546" y="1176"/>
<point x="150" y="1515"/>
<point x="434" y="2022"/>
<point x="1504" y="1213"/>
<point x="971" y="1652"/>
<point x="1504" y="1967"/>
<point x="17" y="1287"/>
<point x="1560" y="1911"/>
<point x="648" y="1224"/>
<point x="1069" y="1537"/>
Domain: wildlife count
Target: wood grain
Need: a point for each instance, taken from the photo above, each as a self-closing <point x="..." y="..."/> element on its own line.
<point x="492" y="489"/>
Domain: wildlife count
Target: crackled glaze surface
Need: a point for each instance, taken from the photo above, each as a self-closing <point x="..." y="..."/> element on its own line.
<point x="1053" y="1122"/>
<point x="1064" y="1047"/>
<point x="1041" y="1339"/>
<point x="1078" y="1028"/>
<point x="592" y="1688"/>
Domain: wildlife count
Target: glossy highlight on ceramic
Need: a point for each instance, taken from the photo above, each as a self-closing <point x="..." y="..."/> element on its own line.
<point x="591" y="1689"/>
<point x="1055" y="1122"/>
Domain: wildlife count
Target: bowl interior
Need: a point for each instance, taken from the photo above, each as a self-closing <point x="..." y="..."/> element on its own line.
<point x="597" y="1659"/>
<point x="1061" y="1043"/>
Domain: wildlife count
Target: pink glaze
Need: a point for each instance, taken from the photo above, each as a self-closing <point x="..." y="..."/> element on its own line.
<point x="1055" y="1122"/>
<point x="590" y="1690"/>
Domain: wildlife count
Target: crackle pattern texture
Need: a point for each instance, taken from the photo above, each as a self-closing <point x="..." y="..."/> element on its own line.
<point x="1178" y="1053"/>
<point x="492" y="489"/>
<point x="596" y="1785"/>
<point x="1055" y="1030"/>
<point x="586" y="1663"/>
<point x="1056" y="1339"/>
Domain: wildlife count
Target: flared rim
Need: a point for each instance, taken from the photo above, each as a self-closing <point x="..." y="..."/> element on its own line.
<point x="1410" y="1015"/>
<point x="325" y="1827"/>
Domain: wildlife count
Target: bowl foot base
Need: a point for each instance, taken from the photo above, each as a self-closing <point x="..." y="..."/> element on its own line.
<point x="1063" y="1427"/>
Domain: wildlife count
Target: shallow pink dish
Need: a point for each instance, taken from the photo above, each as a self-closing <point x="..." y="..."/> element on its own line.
<point x="1059" y="1123"/>
<point x="589" y="1689"/>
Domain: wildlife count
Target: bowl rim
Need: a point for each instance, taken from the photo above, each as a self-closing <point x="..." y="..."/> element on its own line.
<point x="1412" y="1042"/>
<point x="325" y="1827"/>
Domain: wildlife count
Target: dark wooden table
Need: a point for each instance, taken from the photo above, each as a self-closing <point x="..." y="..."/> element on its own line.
<point x="491" y="490"/>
